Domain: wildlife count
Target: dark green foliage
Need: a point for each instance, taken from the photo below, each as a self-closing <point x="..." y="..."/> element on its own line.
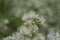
<point x="34" y="8"/>
<point x="14" y="23"/>
<point x="5" y="7"/>
<point x="4" y="34"/>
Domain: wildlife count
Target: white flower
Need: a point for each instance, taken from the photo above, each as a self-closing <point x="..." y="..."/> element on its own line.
<point x="8" y="38"/>
<point x="39" y="36"/>
<point x="42" y="19"/>
<point x="51" y="35"/>
<point x="35" y="28"/>
<point x="5" y="21"/>
<point x="24" y="30"/>
<point x="30" y="15"/>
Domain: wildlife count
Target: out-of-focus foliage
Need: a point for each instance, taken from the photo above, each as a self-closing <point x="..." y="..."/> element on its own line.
<point x="29" y="19"/>
<point x="11" y="23"/>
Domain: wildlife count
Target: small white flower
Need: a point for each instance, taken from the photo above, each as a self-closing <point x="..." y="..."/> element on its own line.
<point x="30" y="35"/>
<point x="28" y="16"/>
<point x="6" y="21"/>
<point x="33" y="22"/>
<point x="24" y="30"/>
<point x="35" y="28"/>
<point x="57" y="34"/>
<point x="42" y="19"/>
